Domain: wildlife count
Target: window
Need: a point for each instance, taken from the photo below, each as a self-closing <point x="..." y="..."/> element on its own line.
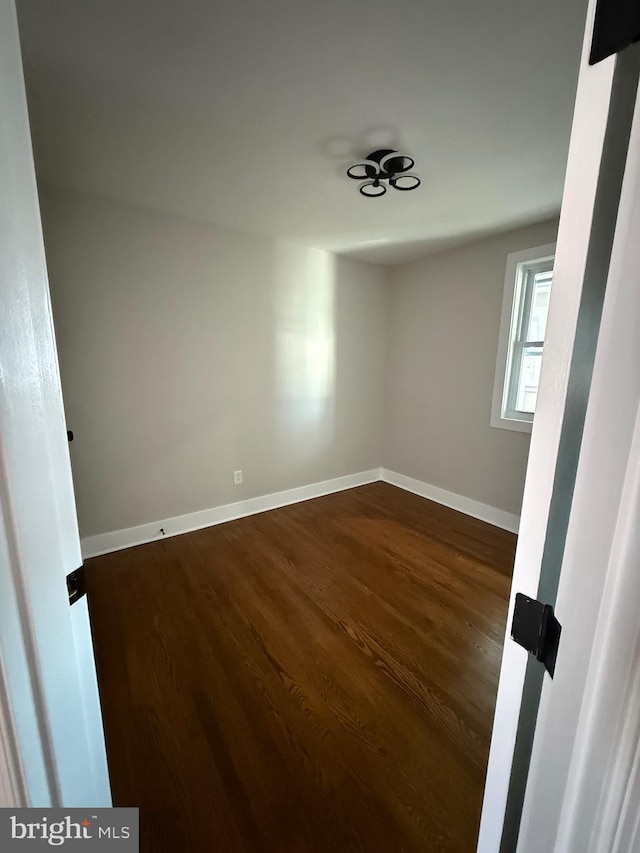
<point x="525" y="306"/>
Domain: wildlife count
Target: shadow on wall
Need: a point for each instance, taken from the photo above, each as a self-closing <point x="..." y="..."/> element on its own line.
<point x="305" y="334"/>
<point x="189" y="352"/>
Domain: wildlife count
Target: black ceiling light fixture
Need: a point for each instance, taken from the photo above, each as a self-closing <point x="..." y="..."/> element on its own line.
<point x="383" y="168"/>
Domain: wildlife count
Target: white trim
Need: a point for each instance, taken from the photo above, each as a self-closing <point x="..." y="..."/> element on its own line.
<point x="105" y="543"/>
<point x="476" y="509"/>
<point x="539" y="253"/>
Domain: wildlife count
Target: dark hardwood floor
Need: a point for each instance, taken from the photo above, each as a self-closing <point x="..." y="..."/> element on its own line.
<point x="320" y="677"/>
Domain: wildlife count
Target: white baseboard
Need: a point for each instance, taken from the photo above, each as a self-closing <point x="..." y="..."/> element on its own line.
<point x="104" y="543"/>
<point x="484" y="512"/>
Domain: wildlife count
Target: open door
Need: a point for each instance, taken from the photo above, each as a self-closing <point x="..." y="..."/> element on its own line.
<point x="573" y="517"/>
<point x="51" y="741"/>
<point x="584" y="778"/>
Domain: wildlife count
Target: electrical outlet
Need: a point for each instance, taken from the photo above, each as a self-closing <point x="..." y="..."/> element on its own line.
<point x="237" y="478"/>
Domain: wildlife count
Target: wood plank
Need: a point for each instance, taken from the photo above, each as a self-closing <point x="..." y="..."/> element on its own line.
<point x="318" y="677"/>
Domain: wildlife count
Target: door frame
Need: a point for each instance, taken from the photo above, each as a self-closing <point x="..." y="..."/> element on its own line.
<point x="588" y="133"/>
<point x="51" y="738"/>
<point x="589" y="720"/>
<point x="545" y="798"/>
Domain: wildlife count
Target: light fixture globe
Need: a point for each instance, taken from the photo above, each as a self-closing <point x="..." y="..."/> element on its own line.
<point x="372" y="189"/>
<point x="382" y="168"/>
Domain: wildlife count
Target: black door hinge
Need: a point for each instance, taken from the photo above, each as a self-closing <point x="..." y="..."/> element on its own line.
<point x="536" y="629"/>
<point x="76" y="585"/>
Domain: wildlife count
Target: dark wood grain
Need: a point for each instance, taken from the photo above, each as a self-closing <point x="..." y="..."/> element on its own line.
<point x="320" y="677"/>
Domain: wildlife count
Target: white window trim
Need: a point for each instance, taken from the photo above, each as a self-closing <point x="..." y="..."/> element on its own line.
<point x="539" y="253"/>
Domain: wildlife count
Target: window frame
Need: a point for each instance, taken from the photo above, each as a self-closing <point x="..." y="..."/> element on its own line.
<point x="520" y="269"/>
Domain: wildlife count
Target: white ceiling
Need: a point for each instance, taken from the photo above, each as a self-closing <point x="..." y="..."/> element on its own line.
<point x="245" y="113"/>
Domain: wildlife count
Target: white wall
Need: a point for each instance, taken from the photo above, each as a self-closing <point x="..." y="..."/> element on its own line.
<point x="443" y="335"/>
<point x="188" y="352"/>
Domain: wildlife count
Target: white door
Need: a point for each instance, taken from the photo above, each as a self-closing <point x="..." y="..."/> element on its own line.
<point x="579" y="498"/>
<point x="51" y="739"/>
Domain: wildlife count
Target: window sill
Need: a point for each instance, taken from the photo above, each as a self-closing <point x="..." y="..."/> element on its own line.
<point x="511" y="423"/>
